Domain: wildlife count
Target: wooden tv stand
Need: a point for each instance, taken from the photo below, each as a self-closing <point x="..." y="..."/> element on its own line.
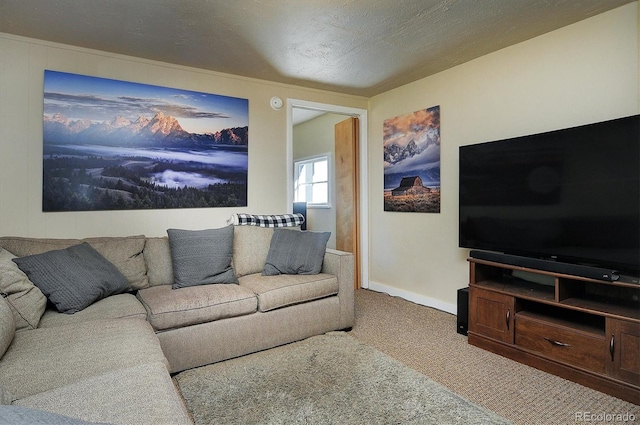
<point x="584" y="330"/>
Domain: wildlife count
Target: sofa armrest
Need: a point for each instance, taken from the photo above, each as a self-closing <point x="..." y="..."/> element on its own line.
<point x="341" y="265"/>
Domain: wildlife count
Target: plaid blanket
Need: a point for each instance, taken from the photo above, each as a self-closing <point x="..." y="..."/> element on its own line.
<point x="262" y="220"/>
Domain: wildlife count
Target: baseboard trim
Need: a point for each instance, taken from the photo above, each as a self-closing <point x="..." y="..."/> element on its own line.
<point x="413" y="297"/>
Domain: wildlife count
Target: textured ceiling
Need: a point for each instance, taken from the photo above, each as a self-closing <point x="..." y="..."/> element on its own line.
<point x="361" y="47"/>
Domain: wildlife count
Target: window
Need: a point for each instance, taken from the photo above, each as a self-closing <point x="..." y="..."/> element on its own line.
<point x="312" y="181"/>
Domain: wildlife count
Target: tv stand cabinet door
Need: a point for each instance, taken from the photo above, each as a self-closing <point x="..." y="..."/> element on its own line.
<point x="624" y="350"/>
<point x="491" y="314"/>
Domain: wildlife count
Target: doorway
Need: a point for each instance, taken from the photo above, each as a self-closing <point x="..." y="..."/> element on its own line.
<point x="294" y="108"/>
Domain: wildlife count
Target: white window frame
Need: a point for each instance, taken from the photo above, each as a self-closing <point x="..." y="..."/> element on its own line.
<point x="311" y="160"/>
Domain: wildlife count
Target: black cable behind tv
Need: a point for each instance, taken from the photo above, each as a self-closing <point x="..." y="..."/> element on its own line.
<point x="547" y="265"/>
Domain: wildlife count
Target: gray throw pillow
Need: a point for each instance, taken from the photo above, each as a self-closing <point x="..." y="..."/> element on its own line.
<point x="296" y="252"/>
<point x="73" y="278"/>
<point x="201" y="257"/>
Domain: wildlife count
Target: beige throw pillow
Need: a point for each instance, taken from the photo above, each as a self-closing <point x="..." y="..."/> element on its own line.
<point x="7" y="326"/>
<point x="26" y="301"/>
<point x="7" y="331"/>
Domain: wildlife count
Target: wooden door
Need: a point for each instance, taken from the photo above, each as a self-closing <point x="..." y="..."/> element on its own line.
<point x="491" y="314"/>
<point x="624" y="350"/>
<point x="347" y="172"/>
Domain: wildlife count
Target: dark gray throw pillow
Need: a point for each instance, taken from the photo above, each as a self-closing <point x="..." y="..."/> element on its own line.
<point x="73" y="278"/>
<point x="296" y="252"/>
<point x="201" y="257"/>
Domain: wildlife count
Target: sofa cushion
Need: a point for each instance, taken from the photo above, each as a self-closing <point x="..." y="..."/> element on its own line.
<point x="141" y="394"/>
<point x="73" y="278"/>
<point x="201" y="257"/>
<point x="114" y="307"/>
<point x="43" y="359"/>
<point x="157" y="255"/>
<point x="296" y="252"/>
<point x="250" y="248"/>
<point x="5" y="397"/>
<point x="22" y="246"/>
<point x="26" y="301"/>
<point x="7" y="326"/>
<point x="172" y="308"/>
<point x="18" y="415"/>
<point x="284" y="290"/>
<point x="124" y="252"/>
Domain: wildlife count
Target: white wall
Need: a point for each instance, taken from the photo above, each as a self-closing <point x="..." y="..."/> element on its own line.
<point x="22" y="63"/>
<point x="583" y="73"/>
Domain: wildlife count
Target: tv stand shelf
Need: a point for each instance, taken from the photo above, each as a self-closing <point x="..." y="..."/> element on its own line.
<point x="582" y="329"/>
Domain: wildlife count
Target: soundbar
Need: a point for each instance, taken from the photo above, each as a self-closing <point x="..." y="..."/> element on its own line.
<point x="547" y="265"/>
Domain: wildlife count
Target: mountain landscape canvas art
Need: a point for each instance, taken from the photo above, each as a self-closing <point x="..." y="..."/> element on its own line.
<point x="411" y="145"/>
<point x="113" y="145"/>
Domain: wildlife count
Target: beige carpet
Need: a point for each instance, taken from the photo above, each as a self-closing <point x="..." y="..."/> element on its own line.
<point x="326" y="379"/>
<point x="425" y="339"/>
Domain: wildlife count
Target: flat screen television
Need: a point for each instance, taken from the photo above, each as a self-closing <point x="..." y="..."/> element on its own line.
<point x="570" y="195"/>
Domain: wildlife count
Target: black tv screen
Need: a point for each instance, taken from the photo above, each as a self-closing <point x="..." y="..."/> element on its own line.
<point x="570" y="195"/>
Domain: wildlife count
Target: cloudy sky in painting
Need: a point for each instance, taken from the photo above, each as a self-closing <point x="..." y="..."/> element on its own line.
<point x="99" y="99"/>
<point x="415" y="126"/>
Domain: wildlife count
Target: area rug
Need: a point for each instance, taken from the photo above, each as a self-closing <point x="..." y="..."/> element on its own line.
<point x="327" y="379"/>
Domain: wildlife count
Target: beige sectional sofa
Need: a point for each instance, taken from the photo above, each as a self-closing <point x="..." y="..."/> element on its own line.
<point x="111" y="362"/>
